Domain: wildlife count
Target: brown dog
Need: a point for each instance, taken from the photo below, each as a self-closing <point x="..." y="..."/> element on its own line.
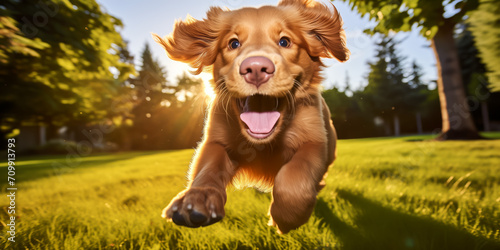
<point x="268" y="126"/>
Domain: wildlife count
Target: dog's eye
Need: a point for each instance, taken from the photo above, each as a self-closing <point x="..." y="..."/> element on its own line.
<point x="234" y="44"/>
<point x="285" y="42"/>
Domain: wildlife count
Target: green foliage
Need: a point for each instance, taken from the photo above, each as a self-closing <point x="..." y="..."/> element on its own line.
<point x="165" y="116"/>
<point x="384" y="193"/>
<point x="473" y="70"/>
<point x="338" y="102"/>
<point x="393" y="90"/>
<point x="152" y="76"/>
<point x="388" y="93"/>
<point x="420" y="96"/>
<point x="404" y="15"/>
<point x="350" y="120"/>
<point x="436" y="21"/>
<point x="485" y="23"/>
<point x="68" y="64"/>
<point x="189" y="88"/>
<point x="12" y="40"/>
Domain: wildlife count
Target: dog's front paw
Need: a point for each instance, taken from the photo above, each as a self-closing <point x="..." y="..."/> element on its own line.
<point x="196" y="206"/>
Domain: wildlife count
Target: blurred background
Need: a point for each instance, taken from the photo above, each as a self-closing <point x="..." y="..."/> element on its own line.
<point x="85" y="76"/>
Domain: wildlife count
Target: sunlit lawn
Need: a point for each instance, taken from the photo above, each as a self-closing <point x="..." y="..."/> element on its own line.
<point x="383" y="193"/>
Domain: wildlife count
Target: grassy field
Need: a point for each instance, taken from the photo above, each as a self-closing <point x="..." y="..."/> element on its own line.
<point x="382" y="193"/>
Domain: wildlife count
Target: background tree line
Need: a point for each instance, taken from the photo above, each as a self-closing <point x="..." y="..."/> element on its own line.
<point x="437" y="21"/>
<point x="64" y="66"/>
<point x="396" y="100"/>
<point x="164" y="115"/>
<point x="467" y="71"/>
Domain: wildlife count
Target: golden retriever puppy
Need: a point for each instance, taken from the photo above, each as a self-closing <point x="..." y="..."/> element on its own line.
<point x="268" y="126"/>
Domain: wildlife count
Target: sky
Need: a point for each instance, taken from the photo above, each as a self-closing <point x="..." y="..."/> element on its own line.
<point x="141" y="18"/>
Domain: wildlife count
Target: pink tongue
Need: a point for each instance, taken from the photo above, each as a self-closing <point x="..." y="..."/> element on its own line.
<point x="260" y="122"/>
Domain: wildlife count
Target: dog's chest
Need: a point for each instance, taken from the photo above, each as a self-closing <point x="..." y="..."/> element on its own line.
<point x="260" y="158"/>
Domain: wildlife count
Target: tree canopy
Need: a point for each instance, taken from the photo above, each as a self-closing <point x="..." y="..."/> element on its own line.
<point x="436" y="21"/>
<point x="403" y="15"/>
<point x="66" y="63"/>
<point x="396" y="99"/>
<point x="389" y="94"/>
<point x="386" y="89"/>
<point x="485" y="23"/>
<point x="165" y="115"/>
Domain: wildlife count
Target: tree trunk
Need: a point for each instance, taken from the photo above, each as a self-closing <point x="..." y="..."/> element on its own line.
<point x="456" y="117"/>
<point x="418" y="117"/>
<point x="485" y="115"/>
<point x="397" y="127"/>
<point x="43" y="135"/>
<point x="387" y="128"/>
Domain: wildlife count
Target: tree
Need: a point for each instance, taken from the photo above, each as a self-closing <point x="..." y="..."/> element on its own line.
<point x="387" y="95"/>
<point x="166" y="115"/>
<point x="484" y="26"/>
<point x="403" y="15"/>
<point x="12" y="40"/>
<point x="350" y="120"/>
<point x="419" y="95"/>
<point x="190" y="112"/>
<point x="151" y="84"/>
<point x="188" y="88"/>
<point x="473" y="73"/>
<point x="338" y="103"/>
<point x="347" y="83"/>
<point x="152" y="95"/>
<point x="65" y="67"/>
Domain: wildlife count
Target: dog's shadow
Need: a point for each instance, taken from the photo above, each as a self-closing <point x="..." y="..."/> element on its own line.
<point x="378" y="227"/>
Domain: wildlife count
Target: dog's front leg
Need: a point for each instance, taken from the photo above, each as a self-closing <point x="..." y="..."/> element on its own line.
<point x="202" y="203"/>
<point x="296" y="186"/>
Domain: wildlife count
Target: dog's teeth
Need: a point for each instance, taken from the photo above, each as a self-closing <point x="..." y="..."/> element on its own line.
<point x="189" y="206"/>
<point x="175" y="208"/>
<point x="214" y="215"/>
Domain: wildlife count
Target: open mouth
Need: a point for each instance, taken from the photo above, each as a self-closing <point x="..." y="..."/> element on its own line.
<point x="260" y="115"/>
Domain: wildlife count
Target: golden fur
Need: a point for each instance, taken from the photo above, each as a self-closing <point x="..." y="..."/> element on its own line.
<point x="294" y="158"/>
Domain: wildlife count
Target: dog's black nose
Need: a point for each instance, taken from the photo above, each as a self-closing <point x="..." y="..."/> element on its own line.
<point x="257" y="70"/>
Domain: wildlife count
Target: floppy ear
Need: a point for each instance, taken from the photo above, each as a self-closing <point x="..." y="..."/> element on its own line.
<point x="193" y="41"/>
<point x="322" y="29"/>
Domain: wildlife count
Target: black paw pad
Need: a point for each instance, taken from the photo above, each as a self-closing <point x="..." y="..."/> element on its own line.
<point x="178" y="219"/>
<point x="197" y="218"/>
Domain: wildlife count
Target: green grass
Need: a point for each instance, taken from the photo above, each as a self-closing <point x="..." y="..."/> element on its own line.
<point x="382" y="193"/>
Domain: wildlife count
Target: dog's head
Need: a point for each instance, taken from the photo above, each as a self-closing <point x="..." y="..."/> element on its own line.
<point x="263" y="59"/>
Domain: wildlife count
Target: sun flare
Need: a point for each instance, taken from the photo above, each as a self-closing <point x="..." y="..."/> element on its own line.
<point x="207" y="79"/>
